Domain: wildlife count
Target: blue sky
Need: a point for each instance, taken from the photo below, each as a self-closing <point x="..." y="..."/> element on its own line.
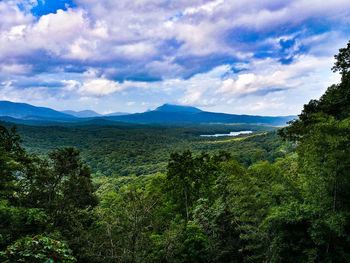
<point x="244" y="57"/>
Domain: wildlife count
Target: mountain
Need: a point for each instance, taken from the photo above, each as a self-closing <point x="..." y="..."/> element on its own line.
<point x="177" y="108"/>
<point x="117" y="114"/>
<point x="27" y="111"/>
<point x="167" y="113"/>
<point x="82" y="114"/>
<point x="175" y="113"/>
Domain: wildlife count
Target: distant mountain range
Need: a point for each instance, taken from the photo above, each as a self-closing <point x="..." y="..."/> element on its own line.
<point x="177" y="108"/>
<point x="27" y="111"/>
<point x="82" y="114"/>
<point x="28" y="114"/>
<point x="117" y="114"/>
<point x="174" y="113"/>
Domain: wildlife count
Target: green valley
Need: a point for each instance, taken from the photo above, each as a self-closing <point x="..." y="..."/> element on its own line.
<point x="144" y="149"/>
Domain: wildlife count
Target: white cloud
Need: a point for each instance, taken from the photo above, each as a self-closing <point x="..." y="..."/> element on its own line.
<point x="71" y="85"/>
<point x="138" y="50"/>
<point x="137" y="31"/>
<point x="99" y="87"/>
<point x="269" y="75"/>
<point x="12" y="16"/>
<point x="20" y="69"/>
<point x="9" y="91"/>
<point x="190" y="46"/>
<point x="207" y="7"/>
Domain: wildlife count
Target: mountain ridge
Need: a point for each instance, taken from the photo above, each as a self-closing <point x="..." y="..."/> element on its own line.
<point x="177" y="108"/>
<point x="83" y="113"/>
<point x="166" y="113"/>
<point x="25" y="110"/>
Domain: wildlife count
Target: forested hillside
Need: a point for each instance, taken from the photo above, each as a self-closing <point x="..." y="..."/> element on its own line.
<point x="115" y="150"/>
<point x="205" y="207"/>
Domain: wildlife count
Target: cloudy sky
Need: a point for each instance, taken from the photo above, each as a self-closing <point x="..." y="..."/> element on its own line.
<point x="235" y="56"/>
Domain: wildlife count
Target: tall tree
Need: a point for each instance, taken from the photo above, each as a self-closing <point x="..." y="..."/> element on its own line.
<point x="322" y="133"/>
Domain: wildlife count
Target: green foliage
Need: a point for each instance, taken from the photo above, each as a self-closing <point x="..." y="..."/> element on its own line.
<point x="322" y="134"/>
<point x="142" y="150"/>
<point x="12" y="162"/>
<point x="38" y="249"/>
<point x="125" y="217"/>
<point x="188" y="178"/>
<point x="288" y="227"/>
<point x="342" y="63"/>
<point x="16" y="222"/>
<point x="54" y="197"/>
<point x="139" y="218"/>
<point x="194" y="245"/>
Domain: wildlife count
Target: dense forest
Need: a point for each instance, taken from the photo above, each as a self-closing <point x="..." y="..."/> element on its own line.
<point x="205" y="207"/>
<point x="144" y="149"/>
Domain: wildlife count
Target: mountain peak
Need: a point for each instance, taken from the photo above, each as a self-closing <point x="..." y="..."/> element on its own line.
<point x="27" y="111"/>
<point x="82" y="114"/>
<point x="177" y="108"/>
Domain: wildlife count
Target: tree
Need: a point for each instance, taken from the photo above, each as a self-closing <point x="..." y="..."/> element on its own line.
<point x="16" y="220"/>
<point x="188" y="178"/>
<point x="322" y="133"/>
<point x="53" y="197"/>
<point x="38" y="249"/>
<point x="194" y="245"/>
<point x="125" y="220"/>
<point x="342" y="63"/>
<point x="71" y="198"/>
<point x="12" y="156"/>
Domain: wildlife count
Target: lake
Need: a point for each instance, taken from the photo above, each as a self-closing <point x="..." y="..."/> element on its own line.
<point x="229" y="134"/>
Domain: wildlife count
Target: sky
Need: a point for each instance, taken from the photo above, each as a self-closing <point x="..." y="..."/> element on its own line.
<point x="234" y="56"/>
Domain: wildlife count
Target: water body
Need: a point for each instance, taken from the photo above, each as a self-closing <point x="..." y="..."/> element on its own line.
<point x="230" y="134"/>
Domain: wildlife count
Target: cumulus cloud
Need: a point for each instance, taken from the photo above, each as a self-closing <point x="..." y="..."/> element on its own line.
<point x="269" y="75"/>
<point x="17" y="69"/>
<point x="142" y="32"/>
<point x="9" y="91"/>
<point x="99" y="87"/>
<point x="71" y="85"/>
<point x="202" y="52"/>
<point x="12" y="16"/>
